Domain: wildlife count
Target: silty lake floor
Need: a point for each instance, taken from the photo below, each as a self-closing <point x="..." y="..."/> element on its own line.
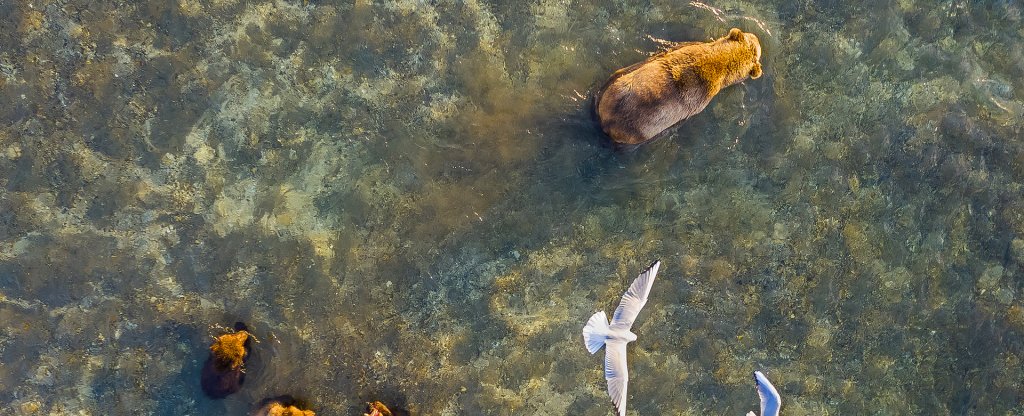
<point x="408" y="201"/>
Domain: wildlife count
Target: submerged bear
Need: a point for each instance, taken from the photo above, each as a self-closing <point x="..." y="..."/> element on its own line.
<point x="224" y="370"/>
<point x="640" y="101"/>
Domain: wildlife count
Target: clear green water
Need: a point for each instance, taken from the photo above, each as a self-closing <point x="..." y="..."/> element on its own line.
<point x="408" y="201"/>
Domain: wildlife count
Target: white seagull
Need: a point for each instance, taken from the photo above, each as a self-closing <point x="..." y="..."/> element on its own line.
<point x="613" y="337"/>
<point x="770" y="400"/>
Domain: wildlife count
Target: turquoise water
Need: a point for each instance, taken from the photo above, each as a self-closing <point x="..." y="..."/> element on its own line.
<point x="408" y="201"/>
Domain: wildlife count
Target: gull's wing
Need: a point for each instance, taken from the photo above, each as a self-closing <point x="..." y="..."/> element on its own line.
<point x="770" y="400"/>
<point x="635" y="298"/>
<point x="616" y="374"/>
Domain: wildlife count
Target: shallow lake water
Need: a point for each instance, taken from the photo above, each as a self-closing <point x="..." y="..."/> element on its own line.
<point x="409" y="201"/>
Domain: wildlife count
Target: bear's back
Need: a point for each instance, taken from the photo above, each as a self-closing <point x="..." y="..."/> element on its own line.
<point x="640" y="101"/>
<point x="648" y="98"/>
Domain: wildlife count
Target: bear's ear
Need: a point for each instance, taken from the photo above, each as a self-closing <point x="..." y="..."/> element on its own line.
<point x="755" y="72"/>
<point x="735" y="34"/>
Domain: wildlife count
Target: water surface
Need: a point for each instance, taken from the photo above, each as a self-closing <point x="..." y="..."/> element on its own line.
<point x="408" y="201"/>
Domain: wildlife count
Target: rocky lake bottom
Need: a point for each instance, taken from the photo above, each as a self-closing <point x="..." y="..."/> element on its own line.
<point x="409" y="201"/>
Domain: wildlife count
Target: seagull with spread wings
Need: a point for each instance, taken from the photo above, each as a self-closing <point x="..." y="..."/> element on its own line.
<point x="614" y="336"/>
<point x="770" y="399"/>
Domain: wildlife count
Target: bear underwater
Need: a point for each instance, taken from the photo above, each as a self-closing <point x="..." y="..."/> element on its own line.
<point x="640" y="101"/>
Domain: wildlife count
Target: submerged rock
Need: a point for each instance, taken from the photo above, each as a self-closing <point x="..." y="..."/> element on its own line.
<point x="224" y="370"/>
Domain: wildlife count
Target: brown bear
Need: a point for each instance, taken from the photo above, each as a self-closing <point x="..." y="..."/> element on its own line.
<point x="640" y="101"/>
<point x="377" y="409"/>
<point x="283" y="406"/>
<point x="224" y="371"/>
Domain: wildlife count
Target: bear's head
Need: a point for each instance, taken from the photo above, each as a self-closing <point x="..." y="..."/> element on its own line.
<point x="753" y="44"/>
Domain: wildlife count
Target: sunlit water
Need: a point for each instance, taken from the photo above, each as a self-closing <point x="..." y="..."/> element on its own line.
<point x="409" y="202"/>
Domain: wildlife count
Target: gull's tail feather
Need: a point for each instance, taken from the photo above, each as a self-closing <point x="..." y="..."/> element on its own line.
<point x="596" y="332"/>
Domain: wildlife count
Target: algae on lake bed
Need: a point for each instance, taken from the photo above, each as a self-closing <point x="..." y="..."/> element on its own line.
<point x="409" y="202"/>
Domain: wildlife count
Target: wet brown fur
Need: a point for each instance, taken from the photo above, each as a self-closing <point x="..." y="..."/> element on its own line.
<point x="278" y="409"/>
<point x="224" y="372"/>
<point x="640" y="101"/>
<point x="378" y="409"/>
<point x="283" y="406"/>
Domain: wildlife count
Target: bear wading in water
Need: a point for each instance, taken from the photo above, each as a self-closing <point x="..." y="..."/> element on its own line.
<point x="283" y="406"/>
<point x="224" y="372"/>
<point x="641" y="101"/>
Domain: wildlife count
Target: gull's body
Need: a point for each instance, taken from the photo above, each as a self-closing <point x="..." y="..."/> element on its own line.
<point x="616" y="334"/>
<point x="770" y="399"/>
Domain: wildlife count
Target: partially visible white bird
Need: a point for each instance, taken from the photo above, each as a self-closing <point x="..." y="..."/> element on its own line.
<point x="770" y="400"/>
<point x="613" y="337"/>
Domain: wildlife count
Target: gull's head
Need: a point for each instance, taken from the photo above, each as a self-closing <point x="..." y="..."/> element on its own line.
<point x="630" y="336"/>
